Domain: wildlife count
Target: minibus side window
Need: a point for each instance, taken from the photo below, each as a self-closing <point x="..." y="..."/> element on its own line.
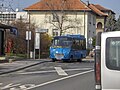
<point x="113" y="53"/>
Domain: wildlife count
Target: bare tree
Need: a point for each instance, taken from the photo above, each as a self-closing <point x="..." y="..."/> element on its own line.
<point x="19" y="41"/>
<point x="61" y="20"/>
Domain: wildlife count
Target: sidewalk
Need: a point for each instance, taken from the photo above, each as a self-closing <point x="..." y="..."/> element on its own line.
<point x="18" y="65"/>
<point x="88" y="58"/>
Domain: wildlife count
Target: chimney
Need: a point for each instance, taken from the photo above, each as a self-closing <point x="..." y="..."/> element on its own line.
<point x="88" y="3"/>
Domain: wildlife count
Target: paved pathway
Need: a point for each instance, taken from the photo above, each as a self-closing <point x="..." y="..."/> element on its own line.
<point x="18" y="65"/>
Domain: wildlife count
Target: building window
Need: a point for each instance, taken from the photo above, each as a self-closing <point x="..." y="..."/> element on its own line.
<point x="99" y="25"/>
<point x="7" y="16"/>
<point x="55" y="32"/>
<point x="93" y="20"/>
<point x="89" y="19"/>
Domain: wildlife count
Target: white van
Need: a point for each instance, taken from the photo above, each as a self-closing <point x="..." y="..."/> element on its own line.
<point x="107" y="61"/>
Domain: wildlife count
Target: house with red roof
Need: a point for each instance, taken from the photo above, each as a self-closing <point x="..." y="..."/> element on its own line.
<point x="101" y="16"/>
<point x="61" y="17"/>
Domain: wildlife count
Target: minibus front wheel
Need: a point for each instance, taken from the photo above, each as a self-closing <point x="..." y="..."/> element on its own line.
<point x="53" y="60"/>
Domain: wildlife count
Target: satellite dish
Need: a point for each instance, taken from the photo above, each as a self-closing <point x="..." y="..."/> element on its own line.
<point x="17" y="10"/>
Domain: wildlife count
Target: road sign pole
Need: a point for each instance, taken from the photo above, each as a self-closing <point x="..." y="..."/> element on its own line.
<point x="39" y="46"/>
<point x="28" y="48"/>
<point x="28" y="38"/>
<point x="34" y="44"/>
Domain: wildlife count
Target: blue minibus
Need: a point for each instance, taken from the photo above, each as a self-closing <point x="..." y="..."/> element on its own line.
<point x="68" y="48"/>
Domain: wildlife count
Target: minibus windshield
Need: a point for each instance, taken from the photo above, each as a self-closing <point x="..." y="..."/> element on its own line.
<point x="62" y="41"/>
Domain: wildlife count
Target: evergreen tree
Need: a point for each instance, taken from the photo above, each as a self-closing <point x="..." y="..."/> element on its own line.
<point x="118" y="24"/>
<point x="111" y="22"/>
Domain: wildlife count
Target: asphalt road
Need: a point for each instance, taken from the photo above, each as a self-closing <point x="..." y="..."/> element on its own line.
<point x="51" y="76"/>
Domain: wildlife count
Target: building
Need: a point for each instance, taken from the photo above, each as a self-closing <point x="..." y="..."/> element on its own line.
<point x="80" y="17"/>
<point x="101" y="16"/>
<point x="8" y="17"/>
<point x="3" y="37"/>
<point x="68" y="16"/>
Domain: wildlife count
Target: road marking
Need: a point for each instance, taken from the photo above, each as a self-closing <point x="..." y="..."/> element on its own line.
<point x="1" y="83"/>
<point x="60" y="71"/>
<point x="14" y="89"/>
<point x="12" y="86"/>
<point x="38" y="72"/>
<point x="51" y="71"/>
<point x="24" y="87"/>
<point x="9" y="86"/>
<point x="56" y="80"/>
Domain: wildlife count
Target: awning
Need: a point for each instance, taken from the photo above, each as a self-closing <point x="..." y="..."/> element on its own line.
<point x="13" y="30"/>
<point x="3" y="26"/>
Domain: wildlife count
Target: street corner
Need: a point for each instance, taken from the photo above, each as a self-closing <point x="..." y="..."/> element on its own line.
<point x="6" y="60"/>
<point x="3" y="60"/>
<point x="88" y="58"/>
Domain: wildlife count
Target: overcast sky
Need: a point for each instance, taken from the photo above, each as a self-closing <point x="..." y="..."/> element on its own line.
<point x="110" y="4"/>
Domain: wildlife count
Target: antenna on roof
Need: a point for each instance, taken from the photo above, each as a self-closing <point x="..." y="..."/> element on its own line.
<point x="88" y="2"/>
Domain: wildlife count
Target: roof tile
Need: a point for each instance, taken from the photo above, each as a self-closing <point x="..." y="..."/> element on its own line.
<point x="101" y="7"/>
<point x="58" y="5"/>
<point x="96" y="10"/>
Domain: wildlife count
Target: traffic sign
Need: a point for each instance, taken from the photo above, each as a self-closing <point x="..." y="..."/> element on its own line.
<point x="41" y="30"/>
<point x="28" y="35"/>
<point x="90" y="40"/>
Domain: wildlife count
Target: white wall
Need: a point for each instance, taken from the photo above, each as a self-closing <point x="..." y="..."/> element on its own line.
<point x="87" y="18"/>
<point x="40" y="17"/>
<point x="24" y="15"/>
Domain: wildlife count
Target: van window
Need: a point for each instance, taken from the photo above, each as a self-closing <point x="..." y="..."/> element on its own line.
<point x="113" y="53"/>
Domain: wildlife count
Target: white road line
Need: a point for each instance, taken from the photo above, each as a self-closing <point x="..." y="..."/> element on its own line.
<point x="1" y="83"/>
<point x="9" y="86"/>
<point x="51" y="71"/>
<point x="56" y="80"/>
<point x="60" y="71"/>
<point x="38" y="72"/>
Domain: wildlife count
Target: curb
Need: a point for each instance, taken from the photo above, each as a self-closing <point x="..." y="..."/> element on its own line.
<point x="10" y="71"/>
<point x="4" y="61"/>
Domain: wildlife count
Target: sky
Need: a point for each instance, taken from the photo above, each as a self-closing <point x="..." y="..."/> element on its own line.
<point x="114" y="5"/>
